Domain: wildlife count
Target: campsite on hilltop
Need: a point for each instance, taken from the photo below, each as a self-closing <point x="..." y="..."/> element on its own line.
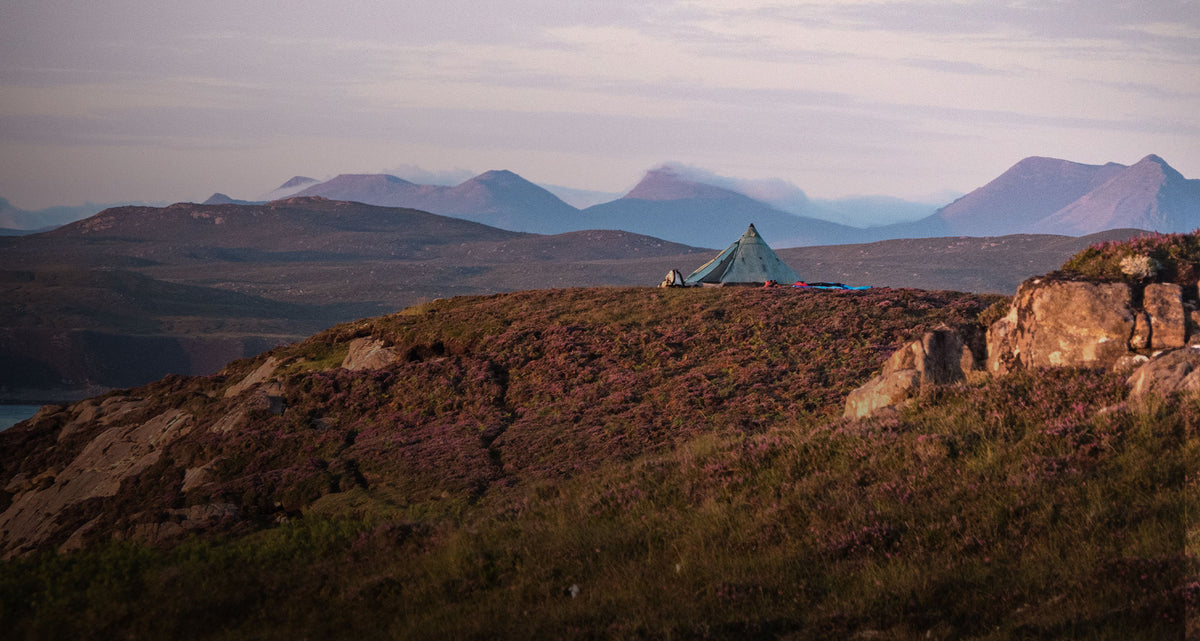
<point x="111" y="300"/>
<point x="840" y="320"/>
<point x="618" y="462"/>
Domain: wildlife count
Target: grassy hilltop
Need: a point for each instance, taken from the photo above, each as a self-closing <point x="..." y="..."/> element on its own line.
<point x="633" y="463"/>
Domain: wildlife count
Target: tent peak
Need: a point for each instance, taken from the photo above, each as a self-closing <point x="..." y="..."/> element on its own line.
<point x="748" y="260"/>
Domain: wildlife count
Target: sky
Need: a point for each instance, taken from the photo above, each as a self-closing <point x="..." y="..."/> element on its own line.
<point x="168" y="100"/>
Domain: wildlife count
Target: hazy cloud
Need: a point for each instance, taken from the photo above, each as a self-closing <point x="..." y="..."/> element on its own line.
<point x="903" y="96"/>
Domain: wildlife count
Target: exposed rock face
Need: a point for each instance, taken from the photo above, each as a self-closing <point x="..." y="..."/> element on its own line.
<point x="1163" y="302"/>
<point x="264" y="372"/>
<point x="1054" y="323"/>
<point x="940" y="357"/>
<point x="368" y="353"/>
<point x="118" y="453"/>
<point x="1174" y="371"/>
<point x="887" y="389"/>
<point x="1084" y="324"/>
<point x="1063" y="324"/>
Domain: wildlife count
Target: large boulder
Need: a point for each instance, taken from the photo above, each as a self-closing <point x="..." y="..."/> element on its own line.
<point x="940" y="357"/>
<point x="1175" y="371"/>
<point x="369" y="353"/>
<point x="1063" y="324"/>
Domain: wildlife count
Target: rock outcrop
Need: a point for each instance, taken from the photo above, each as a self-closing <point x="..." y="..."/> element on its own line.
<point x="262" y="373"/>
<point x="116" y="454"/>
<point x="1085" y="324"/>
<point x="1119" y="327"/>
<point x="940" y="357"/>
<point x="1063" y="324"/>
<point x="1177" y="370"/>
<point x="368" y="353"/>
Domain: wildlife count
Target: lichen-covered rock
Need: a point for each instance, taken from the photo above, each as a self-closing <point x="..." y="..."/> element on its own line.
<point x="368" y="353"/>
<point x="1001" y="339"/>
<point x="1063" y="324"/>
<point x="940" y="357"/>
<point x="1174" y="371"/>
<point x="1163" y="302"/>
<point x="882" y="392"/>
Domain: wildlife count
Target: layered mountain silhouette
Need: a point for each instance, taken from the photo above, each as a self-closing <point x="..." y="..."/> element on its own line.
<point x="15" y="221"/>
<point x="1037" y="195"/>
<point x="664" y="204"/>
<point x="497" y="198"/>
<point x="1149" y="195"/>
<point x="688" y="206"/>
<point x="293" y="186"/>
<point x="667" y="205"/>
<point x="1027" y="193"/>
<point x="1051" y="196"/>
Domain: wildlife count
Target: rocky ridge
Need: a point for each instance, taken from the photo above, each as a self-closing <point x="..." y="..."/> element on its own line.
<point x="1148" y="330"/>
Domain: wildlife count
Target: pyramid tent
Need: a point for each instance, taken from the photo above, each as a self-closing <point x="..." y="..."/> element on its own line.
<point x="747" y="260"/>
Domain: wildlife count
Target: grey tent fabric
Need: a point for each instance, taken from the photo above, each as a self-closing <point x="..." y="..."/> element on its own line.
<point x="747" y="260"/>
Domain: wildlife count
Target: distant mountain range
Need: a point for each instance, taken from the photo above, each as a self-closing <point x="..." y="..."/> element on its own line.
<point x="18" y="222"/>
<point x="693" y="207"/>
<point x="497" y="198"/>
<point x="665" y="204"/>
<point x="1037" y="195"/>
<point x="1046" y="195"/>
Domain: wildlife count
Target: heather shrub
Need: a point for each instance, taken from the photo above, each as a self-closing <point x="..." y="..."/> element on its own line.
<point x="1167" y="258"/>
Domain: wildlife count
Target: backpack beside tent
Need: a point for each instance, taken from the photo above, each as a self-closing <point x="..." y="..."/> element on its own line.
<point x="674" y="278"/>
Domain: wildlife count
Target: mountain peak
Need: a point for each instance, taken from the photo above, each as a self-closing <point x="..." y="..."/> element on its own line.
<point x="499" y="174"/>
<point x="1149" y="195"/>
<point x="218" y="199"/>
<point x="666" y="183"/>
<point x="297" y="181"/>
<point x="1154" y="169"/>
<point x="501" y="178"/>
<point x="369" y="178"/>
<point x="1029" y="191"/>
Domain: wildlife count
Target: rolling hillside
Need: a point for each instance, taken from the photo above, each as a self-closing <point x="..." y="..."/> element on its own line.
<point x="626" y="463"/>
<point x="963" y="263"/>
<point x="84" y="301"/>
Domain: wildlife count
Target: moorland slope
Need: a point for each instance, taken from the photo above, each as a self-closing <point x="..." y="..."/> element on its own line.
<point x="625" y="463"/>
<point x="103" y="302"/>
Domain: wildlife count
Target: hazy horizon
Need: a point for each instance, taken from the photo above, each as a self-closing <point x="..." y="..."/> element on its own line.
<point x="117" y="100"/>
